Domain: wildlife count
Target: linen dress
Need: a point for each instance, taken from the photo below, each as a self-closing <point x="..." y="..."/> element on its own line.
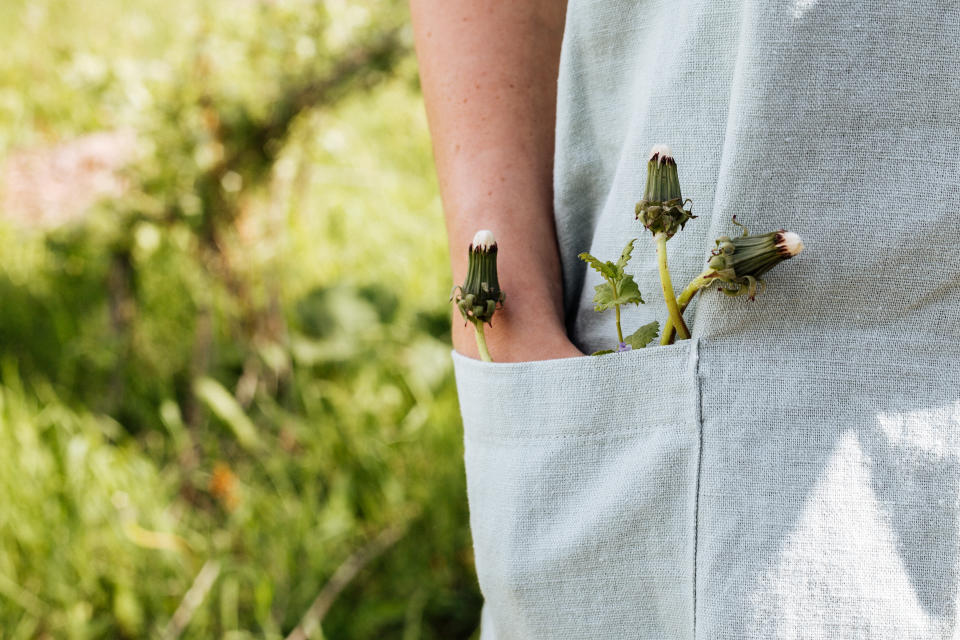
<point x="793" y="470"/>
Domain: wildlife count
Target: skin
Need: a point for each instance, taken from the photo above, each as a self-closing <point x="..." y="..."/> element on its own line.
<point x="488" y="71"/>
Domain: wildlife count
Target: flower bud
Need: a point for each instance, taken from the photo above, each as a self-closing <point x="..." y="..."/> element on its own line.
<point x="661" y="210"/>
<point x="483" y="239"/>
<point x="480" y="294"/>
<point x="739" y="263"/>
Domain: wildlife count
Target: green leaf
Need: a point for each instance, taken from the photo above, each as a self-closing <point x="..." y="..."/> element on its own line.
<point x="603" y="352"/>
<point x="625" y="256"/>
<point x="605" y="298"/>
<point x="644" y="335"/>
<point x="607" y="269"/>
<point x="629" y="291"/>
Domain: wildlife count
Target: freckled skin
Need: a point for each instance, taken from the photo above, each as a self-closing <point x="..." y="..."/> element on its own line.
<point x="488" y="72"/>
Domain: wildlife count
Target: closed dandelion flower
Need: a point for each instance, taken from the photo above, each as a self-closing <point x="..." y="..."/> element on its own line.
<point x="662" y="212"/>
<point x="738" y="264"/>
<point x="479" y="297"/>
<point x="480" y="294"/>
<point x="662" y="208"/>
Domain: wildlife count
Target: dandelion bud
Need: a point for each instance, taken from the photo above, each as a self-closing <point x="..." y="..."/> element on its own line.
<point x="479" y="296"/>
<point x="661" y="210"/>
<point x="738" y="264"/>
<point x="483" y="239"/>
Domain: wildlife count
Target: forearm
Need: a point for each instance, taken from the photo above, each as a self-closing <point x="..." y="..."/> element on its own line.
<point x="488" y="71"/>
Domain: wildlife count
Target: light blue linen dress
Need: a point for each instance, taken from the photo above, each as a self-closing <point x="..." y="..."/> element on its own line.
<point x="793" y="470"/>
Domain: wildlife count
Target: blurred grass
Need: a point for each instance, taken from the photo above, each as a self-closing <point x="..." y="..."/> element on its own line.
<point x="242" y="363"/>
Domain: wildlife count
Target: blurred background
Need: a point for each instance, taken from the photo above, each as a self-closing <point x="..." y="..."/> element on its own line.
<point x="226" y="400"/>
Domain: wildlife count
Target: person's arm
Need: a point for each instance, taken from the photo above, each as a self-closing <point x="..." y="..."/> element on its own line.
<point x="489" y="76"/>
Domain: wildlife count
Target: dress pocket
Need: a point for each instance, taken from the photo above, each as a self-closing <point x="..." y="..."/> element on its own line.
<point x="582" y="483"/>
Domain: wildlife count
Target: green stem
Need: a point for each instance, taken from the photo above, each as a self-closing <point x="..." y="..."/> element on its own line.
<point x="481" y="342"/>
<point x="683" y="301"/>
<point x="619" y="330"/>
<point x="669" y="297"/>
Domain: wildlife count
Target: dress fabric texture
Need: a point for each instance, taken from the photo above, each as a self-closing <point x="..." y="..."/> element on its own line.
<point x="793" y="470"/>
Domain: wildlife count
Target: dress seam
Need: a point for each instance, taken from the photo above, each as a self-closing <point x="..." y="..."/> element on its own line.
<point x="698" y="417"/>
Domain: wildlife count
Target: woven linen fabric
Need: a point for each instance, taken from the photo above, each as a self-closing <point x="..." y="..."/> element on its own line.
<point x="793" y="470"/>
<point x="582" y="496"/>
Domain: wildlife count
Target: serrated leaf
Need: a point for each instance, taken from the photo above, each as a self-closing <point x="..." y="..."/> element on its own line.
<point x="625" y="256"/>
<point x="605" y="298"/>
<point x="607" y="269"/>
<point x="629" y="291"/>
<point x="643" y="336"/>
<point x="603" y="352"/>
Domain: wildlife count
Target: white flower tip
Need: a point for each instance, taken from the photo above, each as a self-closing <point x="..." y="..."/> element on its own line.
<point x="791" y="242"/>
<point x="662" y="152"/>
<point x="483" y="239"/>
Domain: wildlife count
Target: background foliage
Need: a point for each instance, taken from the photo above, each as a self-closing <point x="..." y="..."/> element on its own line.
<point x="226" y="404"/>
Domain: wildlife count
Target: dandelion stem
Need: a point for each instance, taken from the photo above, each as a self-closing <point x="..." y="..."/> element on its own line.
<point x="481" y="342"/>
<point x="695" y="285"/>
<point x="669" y="297"/>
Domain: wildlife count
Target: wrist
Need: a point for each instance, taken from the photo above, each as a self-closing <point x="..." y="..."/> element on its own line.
<point x="515" y="339"/>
